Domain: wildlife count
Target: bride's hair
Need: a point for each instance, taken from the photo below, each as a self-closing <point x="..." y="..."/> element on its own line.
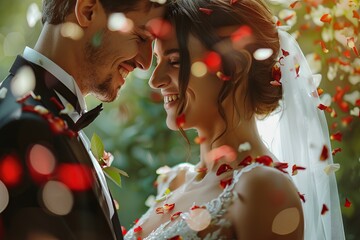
<point x="55" y="11"/>
<point x="204" y="19"/>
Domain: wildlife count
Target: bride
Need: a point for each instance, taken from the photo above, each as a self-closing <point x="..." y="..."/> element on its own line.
<point x="224" y="65"/>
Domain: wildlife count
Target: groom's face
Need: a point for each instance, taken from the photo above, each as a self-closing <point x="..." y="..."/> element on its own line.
<point x="111" y="55"/>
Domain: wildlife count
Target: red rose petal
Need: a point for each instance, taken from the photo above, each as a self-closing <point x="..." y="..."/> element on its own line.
<point x="292" y="5"/>
<point x="347" y="203"/>
<point x="246" y="161"/>
<point x="266" y="160"/>
<point x="180" y="120"/>
<point x="323" y="47"/>
<point x="326" y="18"/>
<point x="336" y="150"/>
<point x="322" y="107"/>
<point x="223" y="168"/>
<point x="302" y="197"/>
<point x="285" y="53"/>
<point x="123" y="230"/>
<point x="159" y="210"/>
<point x="276" y="73"/>
<point x="324" y="209"/>
<point x="168" y="207"/>
<point x="207" y="11"/>
<point x="225" y="182"/>
<point x="336" y="136"/>
<point x="324" y="153"/>
<point x="196" y="207"/>
<point x="175" y="216"/>
<point x="296" y="168"/>
<point x="281" y="166"/>
<point x="137" y="229"/>
<point x="177" y="237"/>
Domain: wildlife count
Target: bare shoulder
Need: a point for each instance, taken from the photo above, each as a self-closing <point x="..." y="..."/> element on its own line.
<point x="267" y="206"/>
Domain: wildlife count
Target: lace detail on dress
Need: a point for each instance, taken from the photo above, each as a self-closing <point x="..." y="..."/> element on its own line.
<point x="216" y="207"/>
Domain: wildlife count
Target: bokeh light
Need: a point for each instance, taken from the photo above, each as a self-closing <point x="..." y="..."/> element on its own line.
<point x="198" y="219"/>
<point x="57" y="198"/>
<point x="4" y="197"/>
<point x="198" y="69"/>
<point x="14" y="43"/>
<point x="286" y="221"/>
<point x="263" y="53"/>
<point x="159" y="28"/>
<point x="24" y="82"/>
<point x="71" y="30"/>
<point x="41" y="159"/>
<point x="77" y="177"/>
<point x="119" y="22"/>
<point x="33" y="14"/>
<point x="10" y="170"/>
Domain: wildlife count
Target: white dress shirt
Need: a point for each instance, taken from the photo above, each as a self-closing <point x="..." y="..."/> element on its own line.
<point x="39" y="59"/>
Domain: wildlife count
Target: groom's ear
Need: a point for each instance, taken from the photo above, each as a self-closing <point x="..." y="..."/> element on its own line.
<point x="85" y="11"/>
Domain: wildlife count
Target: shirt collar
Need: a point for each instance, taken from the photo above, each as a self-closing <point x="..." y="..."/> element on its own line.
<point x="39" y="59"/>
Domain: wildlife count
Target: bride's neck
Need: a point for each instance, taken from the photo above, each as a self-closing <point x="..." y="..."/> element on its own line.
<point x="236" y="135"/>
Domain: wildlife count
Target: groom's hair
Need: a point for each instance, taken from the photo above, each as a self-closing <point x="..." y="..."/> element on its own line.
<point x="55" y="11"/>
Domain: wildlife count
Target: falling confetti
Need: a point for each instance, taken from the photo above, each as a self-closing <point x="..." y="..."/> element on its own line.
<point x="324" y="153"/>
<point x="246" y="146"/>
<point x="331" y="168"/>
<point x="324" y="209"/>
<point x="347" y="203"/>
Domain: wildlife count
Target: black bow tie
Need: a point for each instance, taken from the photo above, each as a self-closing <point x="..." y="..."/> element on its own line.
<point x="85" y="118"/>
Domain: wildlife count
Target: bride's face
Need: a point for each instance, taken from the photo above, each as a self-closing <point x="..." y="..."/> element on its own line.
<point x="202" y="92"/>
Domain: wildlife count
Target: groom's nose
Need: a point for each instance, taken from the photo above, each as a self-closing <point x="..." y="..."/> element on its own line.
<point x="143" y="58"/>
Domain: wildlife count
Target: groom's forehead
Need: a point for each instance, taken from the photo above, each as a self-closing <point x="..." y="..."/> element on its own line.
<point x="137" y="5"/>
<point x="144" y="12"/>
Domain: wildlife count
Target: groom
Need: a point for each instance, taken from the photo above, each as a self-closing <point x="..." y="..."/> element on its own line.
<point x="51" y="185"/>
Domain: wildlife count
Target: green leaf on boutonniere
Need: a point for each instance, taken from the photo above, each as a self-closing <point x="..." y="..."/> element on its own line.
<point x="105" y="159"/>
<point x="97" y="147"/>
<point x="114" y="174"/>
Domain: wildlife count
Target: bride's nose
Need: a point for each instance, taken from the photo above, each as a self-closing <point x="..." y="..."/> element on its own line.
<point x="159" y="79"/>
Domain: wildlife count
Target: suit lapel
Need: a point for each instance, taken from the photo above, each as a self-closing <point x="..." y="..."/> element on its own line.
<point x="43" y="88"/>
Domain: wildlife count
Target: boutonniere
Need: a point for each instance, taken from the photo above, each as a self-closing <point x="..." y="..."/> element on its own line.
<point x="105" y="159"/>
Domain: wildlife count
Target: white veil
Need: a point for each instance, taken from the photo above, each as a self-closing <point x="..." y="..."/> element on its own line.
<point x="300" y="133"/>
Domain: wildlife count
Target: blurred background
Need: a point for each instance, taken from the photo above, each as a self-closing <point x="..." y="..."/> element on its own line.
<point x="133" y="127"/>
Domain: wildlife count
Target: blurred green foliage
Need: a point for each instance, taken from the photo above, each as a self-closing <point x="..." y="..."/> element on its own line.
<point x="133" y="127"/>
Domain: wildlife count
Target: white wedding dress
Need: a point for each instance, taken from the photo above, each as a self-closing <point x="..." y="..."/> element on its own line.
<point x="179" y="228"/>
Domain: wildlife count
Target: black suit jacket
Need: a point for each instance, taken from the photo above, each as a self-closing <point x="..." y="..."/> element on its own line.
<point x="27" y="215"/>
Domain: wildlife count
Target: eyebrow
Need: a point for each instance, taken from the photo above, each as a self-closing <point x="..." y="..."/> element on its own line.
<point x="169" y="51"/>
